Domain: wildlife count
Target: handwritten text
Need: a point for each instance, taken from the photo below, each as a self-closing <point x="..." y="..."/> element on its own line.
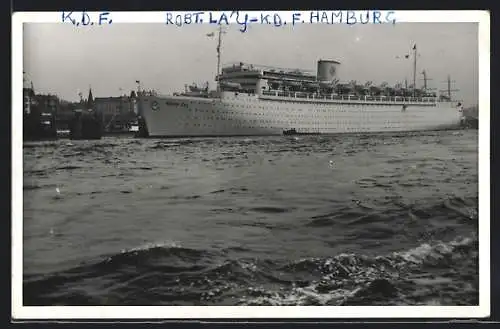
<point x="85" y="19"/>
<point x="243" y="19"/>
<point x="278" y="19"/>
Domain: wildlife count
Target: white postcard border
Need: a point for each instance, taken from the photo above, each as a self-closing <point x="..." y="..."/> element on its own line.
<point x="20" y="312"/>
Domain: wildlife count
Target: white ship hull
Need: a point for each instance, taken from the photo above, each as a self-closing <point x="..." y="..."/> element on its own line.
<point x="236" y="114"/>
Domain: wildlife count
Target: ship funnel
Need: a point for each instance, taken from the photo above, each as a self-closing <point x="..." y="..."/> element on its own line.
<point x="327" y="70"/>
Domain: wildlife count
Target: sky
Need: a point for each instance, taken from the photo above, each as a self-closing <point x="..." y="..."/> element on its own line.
<point x="64" y="60"/>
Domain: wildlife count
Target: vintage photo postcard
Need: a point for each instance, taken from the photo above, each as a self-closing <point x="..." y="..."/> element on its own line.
<point x="290" y="164"/>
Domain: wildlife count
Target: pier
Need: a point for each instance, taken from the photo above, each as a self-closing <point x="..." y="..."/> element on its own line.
<point x="46" y="116"/>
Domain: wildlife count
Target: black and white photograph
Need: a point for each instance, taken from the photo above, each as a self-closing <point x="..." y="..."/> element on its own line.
<point x="210" y="165"/>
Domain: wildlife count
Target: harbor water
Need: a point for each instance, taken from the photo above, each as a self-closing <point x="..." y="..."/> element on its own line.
<point x="379" y="219"/>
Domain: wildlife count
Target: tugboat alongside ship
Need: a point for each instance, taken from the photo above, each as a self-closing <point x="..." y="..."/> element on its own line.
<point x="259" y="100"/>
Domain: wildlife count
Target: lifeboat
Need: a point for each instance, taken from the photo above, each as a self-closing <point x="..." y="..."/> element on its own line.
<point x="292" y="83"/>
<point x="327" y="84"/>
<point x="230" y="85"/>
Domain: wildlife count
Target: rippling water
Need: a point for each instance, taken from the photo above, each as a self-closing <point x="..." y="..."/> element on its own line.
<point x="321" y="220"/>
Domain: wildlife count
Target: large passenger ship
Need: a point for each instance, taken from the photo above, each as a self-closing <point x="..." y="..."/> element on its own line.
<point x="258" y="100"/>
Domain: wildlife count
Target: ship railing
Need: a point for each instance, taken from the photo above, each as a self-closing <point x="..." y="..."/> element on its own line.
<point x="366" y="98"/>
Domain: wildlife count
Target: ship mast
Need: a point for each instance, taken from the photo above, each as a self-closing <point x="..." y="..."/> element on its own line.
<point x="425" y="79"/>
<point x="219" y="43"/>
<point x="414" y="69"/>
<point x="138" y="87"/>
<point x="448" y="80"/>
<point x="448" y="89"/>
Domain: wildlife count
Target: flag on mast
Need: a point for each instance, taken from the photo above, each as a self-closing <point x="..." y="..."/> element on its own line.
<point x="211" y="34"/>
<point x="414" y="46"/>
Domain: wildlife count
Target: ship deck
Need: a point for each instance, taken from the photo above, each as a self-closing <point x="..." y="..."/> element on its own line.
<point x="334" y="98"/>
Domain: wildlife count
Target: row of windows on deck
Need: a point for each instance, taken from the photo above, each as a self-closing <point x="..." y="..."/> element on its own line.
<point x="362" y="105"/>
<point x="310" y="122"/>
<point x="230" y="116"/>
<point x="323" y="107"/>
<point x="342" y="127"/>
<point x="291" y="110"/>
<point x="349" y="122"/>
<point x="316" y="96"/>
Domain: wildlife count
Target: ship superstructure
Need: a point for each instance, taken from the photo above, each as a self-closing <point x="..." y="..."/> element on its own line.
<point x="253" y="99"/>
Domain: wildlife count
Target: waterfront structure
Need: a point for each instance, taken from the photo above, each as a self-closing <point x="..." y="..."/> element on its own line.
<point x="110" y="106"/>
<point x="116" y="112"/>
<point x="39" y="112"/>
<point x="86" y="123"/>
<point x="28" y="97"/>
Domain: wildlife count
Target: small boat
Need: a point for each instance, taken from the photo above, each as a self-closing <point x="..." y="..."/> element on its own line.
<point x="293" y="131"/>
<point x="289" y="132"/>
<point x="134" y="127"/>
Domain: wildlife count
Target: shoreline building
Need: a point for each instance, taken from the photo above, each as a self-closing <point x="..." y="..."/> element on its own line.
<point x="86" y="122"/>
<point x="39" y="113"/>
